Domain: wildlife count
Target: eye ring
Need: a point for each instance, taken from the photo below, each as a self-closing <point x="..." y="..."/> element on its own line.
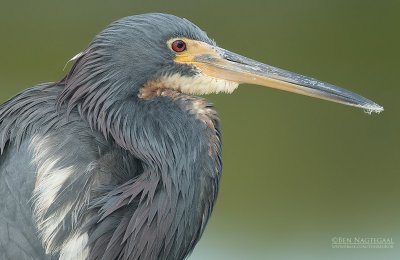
<point x="178" y="46"/>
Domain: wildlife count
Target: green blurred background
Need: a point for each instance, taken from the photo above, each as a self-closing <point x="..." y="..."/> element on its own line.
<point x="298" y="171"/>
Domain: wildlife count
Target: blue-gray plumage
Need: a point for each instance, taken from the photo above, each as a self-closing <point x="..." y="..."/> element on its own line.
<point x="120" y="159"/>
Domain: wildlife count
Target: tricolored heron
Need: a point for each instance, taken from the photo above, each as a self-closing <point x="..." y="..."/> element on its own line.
<point x="121" y="159"/>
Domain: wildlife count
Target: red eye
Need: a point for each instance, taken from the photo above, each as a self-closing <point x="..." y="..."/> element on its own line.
<point x="178" y="46"/>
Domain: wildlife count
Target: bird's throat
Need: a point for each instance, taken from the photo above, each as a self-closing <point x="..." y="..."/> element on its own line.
<point x="199" y="84"/>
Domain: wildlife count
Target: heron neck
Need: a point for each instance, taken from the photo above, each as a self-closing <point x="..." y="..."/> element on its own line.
<point x="177" y="140"/>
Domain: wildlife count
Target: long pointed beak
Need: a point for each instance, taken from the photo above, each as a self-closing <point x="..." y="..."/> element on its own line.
<point x="219" y="63"/>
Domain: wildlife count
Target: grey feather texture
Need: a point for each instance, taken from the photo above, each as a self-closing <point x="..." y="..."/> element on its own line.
<point x="88" y="170"/>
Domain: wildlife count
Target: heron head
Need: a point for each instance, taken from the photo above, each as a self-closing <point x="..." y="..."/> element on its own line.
<point x="165" y="51"/>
